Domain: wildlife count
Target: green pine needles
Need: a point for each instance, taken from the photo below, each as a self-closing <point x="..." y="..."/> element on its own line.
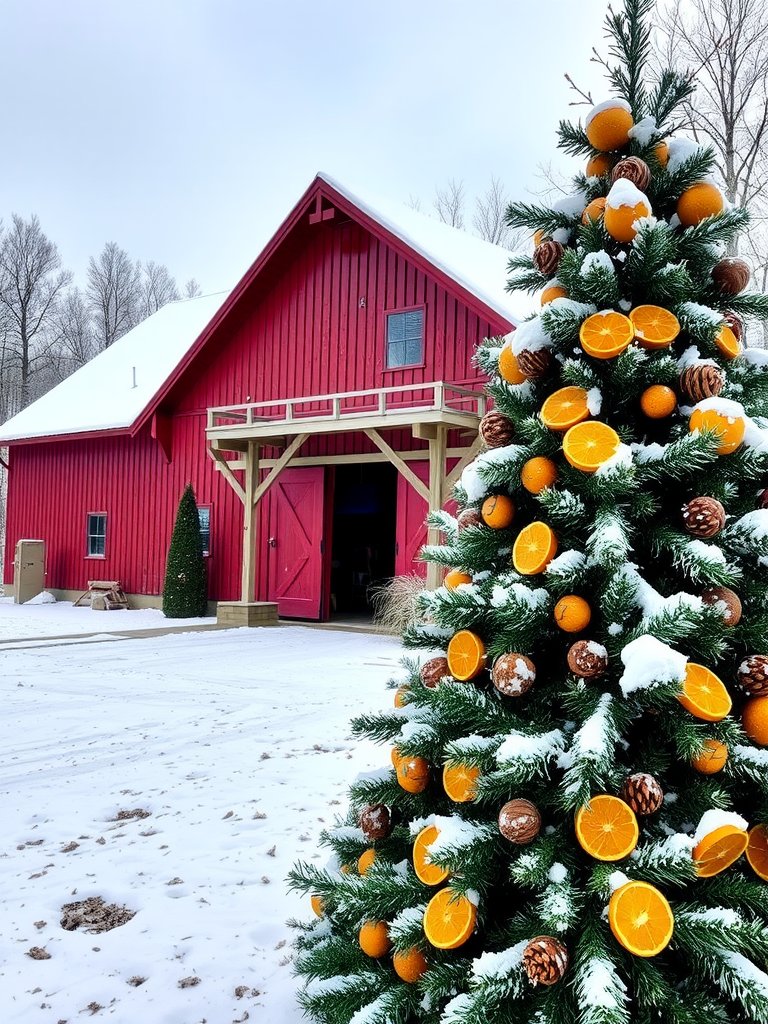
<point x="622" y="655"/>
<point x="185" y="593"/>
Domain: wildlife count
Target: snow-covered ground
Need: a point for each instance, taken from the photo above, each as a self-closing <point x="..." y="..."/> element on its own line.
<point x="36" y="621"/>
<point x="236" y="745"/>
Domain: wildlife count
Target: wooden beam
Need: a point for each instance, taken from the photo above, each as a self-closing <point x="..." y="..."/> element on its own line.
<point x="223" y="466"/>
<point x="278" y="467"/>
<point x="248" y="578"/>
<point x="458" y="469"/>
<point x="425" y="431"/>
<point x="401" y="466"/>
<point x="415" y="455"/>
<point x="437" y="449"/>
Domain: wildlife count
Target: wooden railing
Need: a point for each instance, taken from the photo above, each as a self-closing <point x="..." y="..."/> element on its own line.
<point x="436" y="395"/>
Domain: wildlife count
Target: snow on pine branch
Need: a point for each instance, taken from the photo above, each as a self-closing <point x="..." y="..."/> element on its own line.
<point x="602" y="995"/>
<point x="740" y="979"/>
<point x="492" y="468"/>
<point x="649" y="663"/>
<point x="500" y="973"/>
<point x="591" y="753"/>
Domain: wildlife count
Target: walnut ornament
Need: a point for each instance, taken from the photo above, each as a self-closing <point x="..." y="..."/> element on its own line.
<point x="727" y="602"/>
<point x="376" y="821"/>
<point x="753" y="674"/>
<point x="545" y="960"/>
<point x="643" y="793"/>
<point x="469" y="517"/>
<point x="519" y="821"/>
<point x="703" y="517"/>
<point x="535" y="363"/>
<point x="731" y="275"/>
<point x="587" y="659"/>
<point x="513" y="674"/>
<point x="633" y="169"/>
<point x="701" y="381"/>
<point x="432" y="671"/>
<point x="547" y="256"/>
<point x="496" y="430"/>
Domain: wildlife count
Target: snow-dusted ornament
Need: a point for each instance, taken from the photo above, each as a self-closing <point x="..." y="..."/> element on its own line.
<point x="545" y="960"/>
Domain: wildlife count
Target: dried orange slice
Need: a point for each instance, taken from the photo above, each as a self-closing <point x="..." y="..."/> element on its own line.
<point x="655" y="327"/>
<point x="565" y="408"/>
<point x="426" y="871"/>
<point x="534" y="548"/>
<point x="607" y="828"/>
<point x="587" y="446"/>
<point x="449" y="919"/>
<point x="731" y="429"/>
<point x="606" y="335"/>
<point x="704" y="694"/>
<point x="365" y="860"/>
<point x="410" y="964"/>
<point x="509" y="368"/>
<point x="728" y="343"/>
<point x="318" y="905"/>
<point x="460" y="782"/>
<point x="466" y="655"/>
<point x="757" y="851"/>
<point x="719" y="849"/>
<point x="641" y="919"/>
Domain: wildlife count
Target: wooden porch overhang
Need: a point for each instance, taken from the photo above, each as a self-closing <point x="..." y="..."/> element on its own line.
<point x="430" y="411"/>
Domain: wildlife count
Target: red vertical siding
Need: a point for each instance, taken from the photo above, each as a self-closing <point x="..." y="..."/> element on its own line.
<point x="313" y="323"/>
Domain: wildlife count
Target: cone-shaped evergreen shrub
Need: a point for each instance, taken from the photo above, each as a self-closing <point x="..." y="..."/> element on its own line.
<point x="185" y="590"/>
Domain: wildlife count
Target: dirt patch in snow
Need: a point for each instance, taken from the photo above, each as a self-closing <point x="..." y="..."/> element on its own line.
<point x="136" y="814"/>
<point x="94" y="915"/>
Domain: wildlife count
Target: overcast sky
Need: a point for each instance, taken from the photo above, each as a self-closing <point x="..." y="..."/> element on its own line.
<point x="185" y="130"/>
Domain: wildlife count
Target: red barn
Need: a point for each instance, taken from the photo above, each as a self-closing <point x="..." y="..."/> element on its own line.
<point x="318" y="409"/>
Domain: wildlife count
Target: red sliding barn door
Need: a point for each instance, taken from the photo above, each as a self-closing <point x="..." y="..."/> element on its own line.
<point x="295" y="542"/>
<point x="411" y="521"/>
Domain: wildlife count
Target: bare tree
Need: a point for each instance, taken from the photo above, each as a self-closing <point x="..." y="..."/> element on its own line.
<point x="113" y="293"/>
<point x="192" y="289"/>
<point x="158" y="286"/>
<point x="489" y="218"/>
<point x="449" y="203"/>
<point x="725" y="44"/>
<point x="414" y="203"/>
<point x="31" y="283"/>
<point x="75" y="329"/>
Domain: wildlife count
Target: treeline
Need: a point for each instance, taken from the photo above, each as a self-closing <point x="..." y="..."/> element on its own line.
<point x="50" y="326"/>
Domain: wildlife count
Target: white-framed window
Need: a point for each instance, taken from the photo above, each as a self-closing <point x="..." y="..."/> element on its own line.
<point x="405" y="338"/>
<point x="204" y="514"/>
<point x="96" y="535"/>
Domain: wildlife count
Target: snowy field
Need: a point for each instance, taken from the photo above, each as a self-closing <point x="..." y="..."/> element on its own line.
<point x="36" y="621"/>
<point x="179" y="777"/>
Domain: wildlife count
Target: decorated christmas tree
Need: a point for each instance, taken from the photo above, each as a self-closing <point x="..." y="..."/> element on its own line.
<point x="574" y="826"/>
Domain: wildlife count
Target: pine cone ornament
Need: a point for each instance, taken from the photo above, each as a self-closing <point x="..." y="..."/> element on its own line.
<point x="703" y="517"/>
<point x="727" y="601"/>
<point x="496" y="430"/>
<point x="545" y="960"/>
<point x="535" y="364"/>
<point x="547" y="256"/>
<point x="513" y="674"/>
<point x="469" y="517"/>
<point x="735" y="323"/>
<point x="519" y="821"/>
<point x="587" y="659"/>
<point x="376" y="821"/>
<point x="432" y="671"/>
<point x="753" y="674"/>
<point x="633" y="169"/>
<point x="701" y="381"/>
<point x="731" y="275"/>
<point x="643" y="793"/>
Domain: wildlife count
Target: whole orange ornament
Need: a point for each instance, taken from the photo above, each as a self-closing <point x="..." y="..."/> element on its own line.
<point x="619" y="220"/>
<point x="498" y="511"/>
<point x="552" y="292"/>
<point x="598" y="165"/>
<point x="572" y="613"/>
<point x="594" y="211"/>
<point x="712" y="758"/>
<point x="455" y="578"/>
<point x="658" y="401"/>
<point x="754" y="718"/>
<point x="410" y="965"/>
<point x="509" y="368"/>
<point x="608" y="124"/>
<point x="538" y="473"/>
<point x="374" y="939"/>
<point x="698" y="202"/>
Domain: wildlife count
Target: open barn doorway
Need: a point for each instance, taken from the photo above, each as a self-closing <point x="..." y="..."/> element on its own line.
<point x="364" y="524"/>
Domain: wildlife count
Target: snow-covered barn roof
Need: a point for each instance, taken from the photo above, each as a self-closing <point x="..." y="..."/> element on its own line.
<point x="119" y="387"/>
<point x="112" y="390"/>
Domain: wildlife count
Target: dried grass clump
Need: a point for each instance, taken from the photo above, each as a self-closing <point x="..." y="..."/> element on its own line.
<point x="395" y="603"/>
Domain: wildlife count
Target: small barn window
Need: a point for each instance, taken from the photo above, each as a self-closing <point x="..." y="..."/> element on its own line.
<point x="97" y="534"/>
<point x="405" y="338"/>
<point x="204" y="513"/>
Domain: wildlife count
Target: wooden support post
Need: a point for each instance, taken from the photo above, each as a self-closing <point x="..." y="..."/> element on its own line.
<point x="279" y="466"/>
<point x="437" y="449"/>
<point x="452" y="478"/>
<point x="248" y="584"/>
